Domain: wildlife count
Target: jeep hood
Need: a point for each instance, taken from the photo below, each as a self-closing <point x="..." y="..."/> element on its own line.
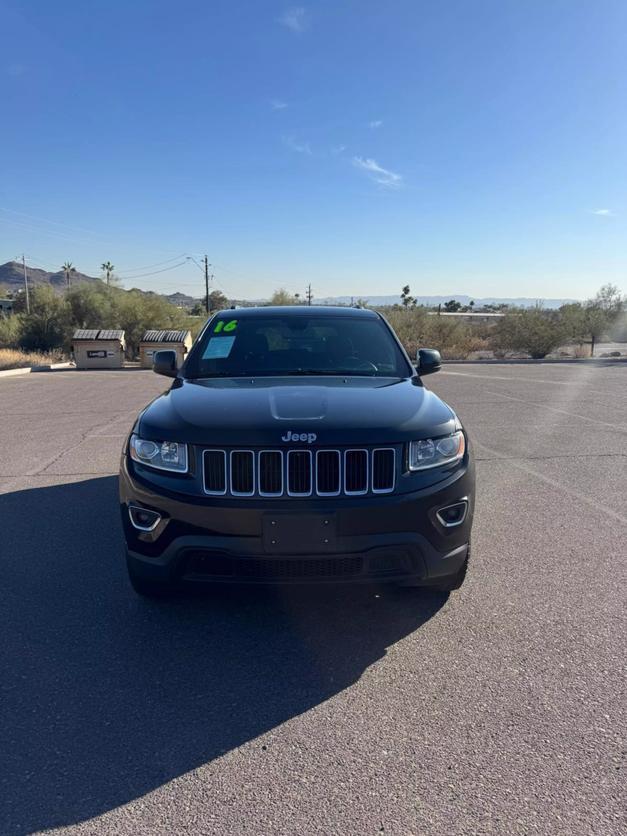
<point x="339" y="411"/>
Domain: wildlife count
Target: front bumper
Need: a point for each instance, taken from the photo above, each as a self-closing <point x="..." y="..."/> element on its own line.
<point x="396" y="537"/>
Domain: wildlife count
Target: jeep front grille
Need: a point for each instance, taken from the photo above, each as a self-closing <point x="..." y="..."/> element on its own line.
<point x="299" y="472"/>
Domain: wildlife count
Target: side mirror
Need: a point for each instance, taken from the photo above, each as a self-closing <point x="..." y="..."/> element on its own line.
<point x="164" y="362"/>
<point x="429" y="361"/>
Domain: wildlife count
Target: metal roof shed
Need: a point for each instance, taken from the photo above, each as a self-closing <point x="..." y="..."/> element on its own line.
<point x="178" y="341"/>
<point x="95" y="348"/>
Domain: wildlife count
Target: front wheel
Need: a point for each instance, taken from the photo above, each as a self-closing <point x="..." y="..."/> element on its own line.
<point x="149" y="587"/>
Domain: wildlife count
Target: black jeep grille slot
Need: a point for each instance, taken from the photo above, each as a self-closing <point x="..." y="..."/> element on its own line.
<point x="356" y="471"/>
<point x="299" y="472"/>
<point x="383" y="467"/>
<point x="215" y="471"/>
<point x="243" y="472"/>
<point x="328" y="472"/>
<point x="271" y="472"/>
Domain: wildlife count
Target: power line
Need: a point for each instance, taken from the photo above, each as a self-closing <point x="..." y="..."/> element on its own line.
<point x="155" y="273"/>
<point x="149" y="266"/>
<point x="48" y="221"/>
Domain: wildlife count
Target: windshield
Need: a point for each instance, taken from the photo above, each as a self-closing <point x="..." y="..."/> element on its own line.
<point x="281" y="344"/>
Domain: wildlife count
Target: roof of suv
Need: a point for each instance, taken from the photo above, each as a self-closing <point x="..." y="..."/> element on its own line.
<point x="302" y="310"/>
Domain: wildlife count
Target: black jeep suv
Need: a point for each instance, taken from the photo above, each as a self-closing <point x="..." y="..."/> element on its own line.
<point x="297" y="444"/>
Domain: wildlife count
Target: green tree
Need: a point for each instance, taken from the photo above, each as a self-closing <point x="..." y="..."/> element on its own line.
<point x="452" y="306"/>
<point x="595" y="318"/>
<point x="10" y="331"/>
<point x="198" y="309"/>
<point x="603" y="312"/>
<point x="217" y="301"/>
<point x="136" y="312"/>
<point x="47" y="324"/>
<point x="283" y="297"/>
<point x="108" y="268"/>
<point x="406" y="298"/>
<point x="68" y="268"/>
<point x="91" y="306"/>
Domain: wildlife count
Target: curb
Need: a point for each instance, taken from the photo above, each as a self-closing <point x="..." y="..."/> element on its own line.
<point x="28" y="369"/>
<point x="12" y="372"/>
<point x="53" y="367"/>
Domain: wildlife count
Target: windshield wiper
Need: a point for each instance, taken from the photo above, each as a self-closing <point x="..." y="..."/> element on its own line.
<point x="218" y="374"/>
<point x="327" y="372"/>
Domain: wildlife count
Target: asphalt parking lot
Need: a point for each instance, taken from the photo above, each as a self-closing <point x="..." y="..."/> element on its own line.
<point x="500" y="708"/>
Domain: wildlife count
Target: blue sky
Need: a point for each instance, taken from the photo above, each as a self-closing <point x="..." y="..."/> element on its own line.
<point x="461" y="147"/>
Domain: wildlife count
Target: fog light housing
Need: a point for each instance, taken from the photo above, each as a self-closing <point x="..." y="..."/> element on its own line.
<point x="143" y="519"/>
<point x="453" y="515"/>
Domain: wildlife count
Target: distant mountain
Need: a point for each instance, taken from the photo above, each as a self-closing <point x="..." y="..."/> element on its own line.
<point x="432" y="301"/>
<point x="182" y="300"/>
<point x="12" y="276"/>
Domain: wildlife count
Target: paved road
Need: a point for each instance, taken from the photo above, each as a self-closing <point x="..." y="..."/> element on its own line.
<point x="498" y="709"/>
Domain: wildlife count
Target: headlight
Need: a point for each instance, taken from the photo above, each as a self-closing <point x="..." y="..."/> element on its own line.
<point x="164" y="455"/>
<point x="434" y="452"/>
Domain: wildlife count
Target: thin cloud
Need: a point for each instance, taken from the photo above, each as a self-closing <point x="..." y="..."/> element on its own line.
<point x="295" y="145"/>
<point x="295" y="18"/>
<point x="338" y="149"/>
<point x="278" y="104"/>
<point x="376" y="172"/>
<point x="376" y="123"/>
<point x="603" y="213"/>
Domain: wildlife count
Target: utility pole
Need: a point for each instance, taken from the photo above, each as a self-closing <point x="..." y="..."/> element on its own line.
<point x="309" y="294"/>
<point x="26" y="284"/>
<point x="206" y="262"/>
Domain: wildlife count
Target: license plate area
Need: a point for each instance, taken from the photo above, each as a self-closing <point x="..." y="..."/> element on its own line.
<point x="286" y="533"/>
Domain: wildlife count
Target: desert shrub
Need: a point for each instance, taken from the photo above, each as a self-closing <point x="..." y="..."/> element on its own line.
<point x="534" y="331"/>
<point x="453" y="338"/>
<point x="284" y="297"/>
<point x="409" y="324"/>
<point x="10" y="331"/>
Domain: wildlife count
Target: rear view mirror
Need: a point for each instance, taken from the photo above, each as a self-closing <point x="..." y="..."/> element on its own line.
<point x="429" y="361"/>
<point x="164" y="362"/>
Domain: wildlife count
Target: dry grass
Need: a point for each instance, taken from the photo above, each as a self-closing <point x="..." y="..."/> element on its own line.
<point x="11" y="358"/>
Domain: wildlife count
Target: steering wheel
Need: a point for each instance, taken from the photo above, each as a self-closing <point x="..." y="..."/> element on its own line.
<point x="359" y="365"/>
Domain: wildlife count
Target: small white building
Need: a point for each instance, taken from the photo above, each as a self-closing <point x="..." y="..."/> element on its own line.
<point x="475" y="317"/>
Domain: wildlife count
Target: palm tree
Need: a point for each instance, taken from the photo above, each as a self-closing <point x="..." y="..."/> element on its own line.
<point x="68" y="268"/>
<point x="108" y="269"/>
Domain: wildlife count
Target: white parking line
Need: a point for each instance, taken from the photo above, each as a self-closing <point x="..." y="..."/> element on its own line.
<point x="620" y="427"/>
<point x="518" y="379"/>
<point x="587" y="500"/>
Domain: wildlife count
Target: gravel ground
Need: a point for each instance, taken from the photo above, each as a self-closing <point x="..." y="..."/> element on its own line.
<point x="500" y="708"/>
